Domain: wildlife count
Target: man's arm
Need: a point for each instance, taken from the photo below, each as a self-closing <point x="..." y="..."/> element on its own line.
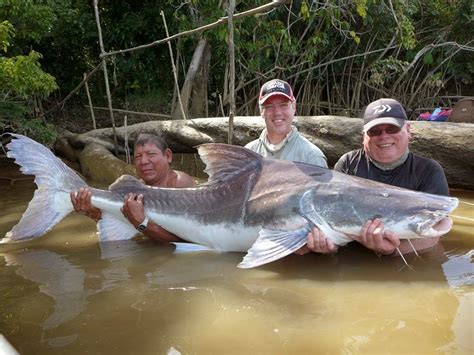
<point x="155" y="232"/>
<point x="81" y="200"/>
<point x="374" y="237"/>
<point x="133" y="209"/>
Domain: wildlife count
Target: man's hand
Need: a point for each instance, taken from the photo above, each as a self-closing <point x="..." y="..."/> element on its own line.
<point x="373" y="236"/>
<point x="81" y="200"/>
<point x="133" y="209"/>
<point x="317" y="243"/>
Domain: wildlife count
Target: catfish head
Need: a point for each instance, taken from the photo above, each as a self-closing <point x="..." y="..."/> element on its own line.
<point x="345" y="203"/>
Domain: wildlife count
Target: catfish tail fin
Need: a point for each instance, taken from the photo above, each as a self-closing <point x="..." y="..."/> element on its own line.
<point x="55" y="180"/>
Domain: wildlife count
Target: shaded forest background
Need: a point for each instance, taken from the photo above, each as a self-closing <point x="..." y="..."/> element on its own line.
<point x="338" y="55"/>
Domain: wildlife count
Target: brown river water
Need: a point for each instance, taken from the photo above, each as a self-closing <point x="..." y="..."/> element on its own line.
<point x="66" y="294"/>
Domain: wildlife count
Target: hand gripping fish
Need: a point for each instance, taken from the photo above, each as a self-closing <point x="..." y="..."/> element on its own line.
<point x="250" y="204"/>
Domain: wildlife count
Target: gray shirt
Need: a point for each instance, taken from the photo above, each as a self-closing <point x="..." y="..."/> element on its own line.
<point x="295" y="148"/>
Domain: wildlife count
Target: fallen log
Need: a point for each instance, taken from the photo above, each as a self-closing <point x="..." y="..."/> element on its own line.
<point x="451" y="144"/>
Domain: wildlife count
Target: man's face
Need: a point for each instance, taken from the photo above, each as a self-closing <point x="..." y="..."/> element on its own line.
<point x="384" y="145"/>
<point x="151" y="164"/>
<point x="278" y="113"/>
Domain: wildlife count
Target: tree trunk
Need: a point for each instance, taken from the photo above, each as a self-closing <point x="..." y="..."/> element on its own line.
<point x="451" y="144"/>
<point x="194" y="90"/>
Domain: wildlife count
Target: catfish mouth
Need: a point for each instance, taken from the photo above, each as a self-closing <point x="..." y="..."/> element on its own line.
<point x="438" y="222"/>
<point x="436" y="228"/>
<point x="443" y="226"/>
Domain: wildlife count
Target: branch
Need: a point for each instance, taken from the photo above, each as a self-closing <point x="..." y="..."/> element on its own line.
<point x="222" y="20"/>
<point x="230" y="37"/>
<point x="175" y="74"/>
<point x="427" y="48"/>
<point x="132" y="112"/>
<point x="339" y="60"/>
<point x="76" y="89"/>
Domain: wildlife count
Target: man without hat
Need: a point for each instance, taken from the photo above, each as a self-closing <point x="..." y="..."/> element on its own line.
<point x="385" y="157"/>
<point x="152" y="159"/>
<point x="280" y="139"/>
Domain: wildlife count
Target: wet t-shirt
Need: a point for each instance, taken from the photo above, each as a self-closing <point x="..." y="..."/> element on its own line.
<point x="416" y="173"/>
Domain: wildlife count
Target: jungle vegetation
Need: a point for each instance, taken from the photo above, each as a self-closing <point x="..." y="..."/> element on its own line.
<point x="338" y="55"/>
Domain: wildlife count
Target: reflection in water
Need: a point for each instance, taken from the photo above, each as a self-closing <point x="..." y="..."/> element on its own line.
<point x="65" y="293"/>
<point x="460" y="276"/>
<point x="58" y="279"/>
<point x="119" y="249"/>
<point x="458" y="270"/>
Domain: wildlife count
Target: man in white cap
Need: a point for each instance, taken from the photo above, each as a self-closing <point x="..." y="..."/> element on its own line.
<point x="385" y="157"/>
<point x="280" y="139"/>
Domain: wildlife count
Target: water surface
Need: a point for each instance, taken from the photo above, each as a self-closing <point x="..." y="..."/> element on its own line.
<point x="65" y="293"/>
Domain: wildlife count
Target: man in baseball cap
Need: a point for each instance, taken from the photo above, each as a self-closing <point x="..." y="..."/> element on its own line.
<point x="280" y="139"/>
<point x="385" y="157"/>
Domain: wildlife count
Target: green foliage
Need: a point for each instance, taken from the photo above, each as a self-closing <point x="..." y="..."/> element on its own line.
<point x="385" y="70"/>
<point x="12" y="110"/>
<point x="35" y="128"/>
<point x="22" y="76"/>
<point x="22" y="80"/>
<point x="361" y="7"/>
<point x="282" y="42"/>
<point x="6" y="33"/>
<point x="31" y="19"/>
<point x="428" y="58"/>
<point x="14" y="118"/>
<point x="407" y="36"/>
<point x="304" y="10"/>
<point x="435" y="80"/>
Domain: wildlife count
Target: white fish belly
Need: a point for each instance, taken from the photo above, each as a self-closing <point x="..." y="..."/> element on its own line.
<point x="219" y="236"/>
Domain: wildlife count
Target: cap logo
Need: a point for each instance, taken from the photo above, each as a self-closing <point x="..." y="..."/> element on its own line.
<point x="276" y="86"/>
<point x="381" y="109"/>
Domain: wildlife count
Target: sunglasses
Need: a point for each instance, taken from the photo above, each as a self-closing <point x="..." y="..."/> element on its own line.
<point x="374" y="132"/>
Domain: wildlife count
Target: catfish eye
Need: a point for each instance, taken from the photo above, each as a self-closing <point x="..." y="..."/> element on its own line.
<point x="385" y="194"/>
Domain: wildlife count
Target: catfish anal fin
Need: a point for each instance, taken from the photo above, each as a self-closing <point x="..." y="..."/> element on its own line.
<point x="111" y="227"/>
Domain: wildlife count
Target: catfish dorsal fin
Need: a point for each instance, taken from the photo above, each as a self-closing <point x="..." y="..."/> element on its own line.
<point x="224" y="161"/>
<point x="126" y="184"/>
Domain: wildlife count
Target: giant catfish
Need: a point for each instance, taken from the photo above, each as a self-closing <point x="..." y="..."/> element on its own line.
<point x="250" y="204"/>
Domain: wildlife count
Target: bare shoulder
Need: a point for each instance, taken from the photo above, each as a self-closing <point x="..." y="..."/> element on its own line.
<point x="184" y="180"/>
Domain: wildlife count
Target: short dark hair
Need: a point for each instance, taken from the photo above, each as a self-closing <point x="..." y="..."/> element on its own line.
<point x="158" y="141"/>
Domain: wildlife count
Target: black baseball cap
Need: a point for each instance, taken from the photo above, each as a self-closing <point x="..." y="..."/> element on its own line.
<point x="384" y="111"/>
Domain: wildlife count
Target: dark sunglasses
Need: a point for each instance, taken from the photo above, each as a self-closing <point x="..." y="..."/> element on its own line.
<point x="374" y="132"/>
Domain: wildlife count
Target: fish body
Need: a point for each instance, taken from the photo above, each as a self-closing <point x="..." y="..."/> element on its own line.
<point x="250" y="204"/>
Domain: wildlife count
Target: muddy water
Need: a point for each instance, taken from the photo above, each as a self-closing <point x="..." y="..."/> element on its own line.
<point x="64" y="293"/>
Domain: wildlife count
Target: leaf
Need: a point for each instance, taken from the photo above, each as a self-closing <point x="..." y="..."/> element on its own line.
<point x="304" y="10"/>
<point x="428" y="58"/>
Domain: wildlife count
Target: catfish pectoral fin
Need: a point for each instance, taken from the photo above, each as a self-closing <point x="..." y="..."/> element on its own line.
<point x="308" y="211"/>
<point x="272" y="245"/>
